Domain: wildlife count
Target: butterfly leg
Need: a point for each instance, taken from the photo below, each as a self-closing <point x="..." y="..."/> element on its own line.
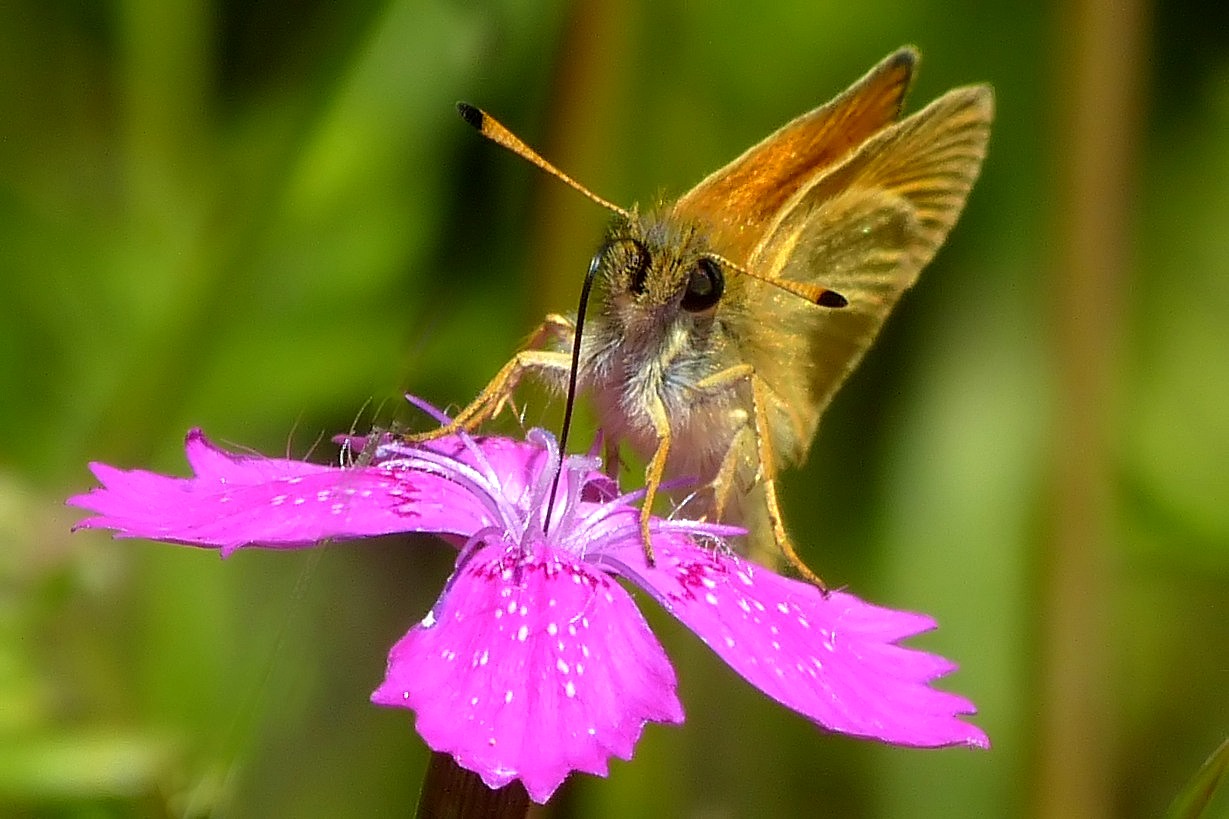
<point x="760" y="395"/>
<point x="495" y="396"/>
<point x="653" y="474"/>
<point x="722" y="485"/>
<point x="610" y="452"/>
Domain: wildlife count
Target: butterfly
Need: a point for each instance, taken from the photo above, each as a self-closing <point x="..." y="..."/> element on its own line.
<point x="728" y="319"/>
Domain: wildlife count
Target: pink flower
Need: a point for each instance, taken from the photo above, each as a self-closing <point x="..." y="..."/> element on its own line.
<point x="535" y="661"/>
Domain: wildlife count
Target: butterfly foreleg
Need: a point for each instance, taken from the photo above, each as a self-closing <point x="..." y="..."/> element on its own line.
<point x="497" y="394"/>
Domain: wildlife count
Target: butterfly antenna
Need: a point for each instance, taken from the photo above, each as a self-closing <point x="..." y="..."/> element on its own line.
<point x="494" y="130"/>
<point x="814" y="293"/>
<point x="573" y="374"/>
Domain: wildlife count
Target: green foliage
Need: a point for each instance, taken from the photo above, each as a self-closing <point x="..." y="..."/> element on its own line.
<point x="1199" y="793"/>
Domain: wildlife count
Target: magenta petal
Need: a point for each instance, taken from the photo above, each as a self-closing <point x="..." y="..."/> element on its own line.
<point x="530" y="668"/>
<point x="534" y="662"/>
<point x="235" y="500"/>
<point x="832" y="658"/>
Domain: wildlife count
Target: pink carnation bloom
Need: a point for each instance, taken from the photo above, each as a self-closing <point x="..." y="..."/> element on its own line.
<point x="535" y="661"/>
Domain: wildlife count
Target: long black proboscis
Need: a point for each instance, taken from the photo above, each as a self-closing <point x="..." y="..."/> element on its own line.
<point x="574" y="373"/>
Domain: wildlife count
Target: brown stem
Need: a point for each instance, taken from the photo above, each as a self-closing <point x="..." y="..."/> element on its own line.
<point x="1101" y="79"/>
<point x="451" y="792"/>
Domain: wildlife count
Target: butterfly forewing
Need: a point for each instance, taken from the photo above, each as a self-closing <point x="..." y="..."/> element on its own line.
<point x="864" y="229"/>
<point x="929" y="159"/>
<point x="739" y="202"/>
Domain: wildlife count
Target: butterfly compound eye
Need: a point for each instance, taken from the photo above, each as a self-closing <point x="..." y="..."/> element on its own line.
<point x="704" y="286"/>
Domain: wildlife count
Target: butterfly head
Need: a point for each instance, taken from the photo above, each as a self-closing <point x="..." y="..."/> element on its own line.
<point x="656" y="270"/>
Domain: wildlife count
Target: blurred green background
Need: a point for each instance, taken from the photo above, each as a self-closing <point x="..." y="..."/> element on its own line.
<point x="264" y="218"/>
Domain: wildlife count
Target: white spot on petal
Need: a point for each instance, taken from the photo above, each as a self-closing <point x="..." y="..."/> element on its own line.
<point x="522" y="633"/>
<point x="570" y="689"/>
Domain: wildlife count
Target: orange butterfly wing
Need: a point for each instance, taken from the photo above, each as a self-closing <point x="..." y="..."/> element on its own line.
<point x="740" y="202"/>
<point x="864" y="228"/>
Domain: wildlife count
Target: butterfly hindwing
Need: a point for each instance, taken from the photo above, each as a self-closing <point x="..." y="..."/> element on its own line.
<point x="865" y="229"/>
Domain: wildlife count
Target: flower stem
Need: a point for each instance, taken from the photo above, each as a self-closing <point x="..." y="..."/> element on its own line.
<point x="1104" y="79"/>
<point x="451" y="792"/>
